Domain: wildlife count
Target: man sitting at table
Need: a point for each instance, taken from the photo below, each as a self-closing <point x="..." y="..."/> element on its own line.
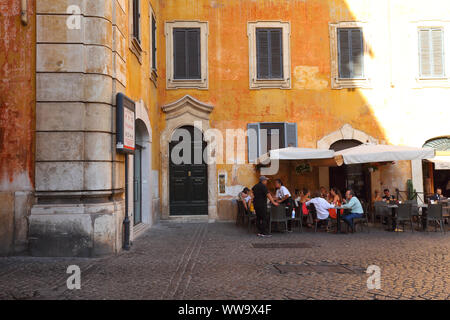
<point x="283" y="196"/>
<point x="387" y="195"/>
<point x="354" y="205"/>
<point x="321" y="206"/>
<point x="438" y="195"/>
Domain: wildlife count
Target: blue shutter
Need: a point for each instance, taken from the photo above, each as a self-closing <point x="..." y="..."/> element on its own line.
<point x="253" y="142"/>
<point x="290" y="131"/>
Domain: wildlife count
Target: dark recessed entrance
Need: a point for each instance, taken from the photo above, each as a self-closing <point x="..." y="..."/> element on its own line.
<point x="350" y="176"/>
<point x="188" y="189"/>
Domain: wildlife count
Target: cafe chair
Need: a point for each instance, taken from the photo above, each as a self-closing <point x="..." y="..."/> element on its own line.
<point x="278" y="214"/>
<point x="381" y="210"/>
<point x="363" y="220"/>
<point x="404" y="212"/>
<point x="313" y="212"/>
<point x="434" y="213"/>
<point x="240" y="218"/>
<point x="298" y="218"/>
<point x="415" y="211"/>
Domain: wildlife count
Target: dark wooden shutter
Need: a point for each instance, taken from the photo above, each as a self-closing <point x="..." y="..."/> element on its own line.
<point x="193" y="53"/>
<point x="290" y="134"/>
<point x="136" y="19"/>
<point x="253" y="141"/>
<point x="262" y="53"/>
<point x="269" y="53"/>
<point x="179" y="53"/>
<point x="186" y="51"/>
<point x="350" y="53"/>
<point x="276" y="53"/>
<point x="153" y="43"/>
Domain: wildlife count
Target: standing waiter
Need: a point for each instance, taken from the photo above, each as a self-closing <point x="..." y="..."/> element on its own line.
<point x="261" y="193"/>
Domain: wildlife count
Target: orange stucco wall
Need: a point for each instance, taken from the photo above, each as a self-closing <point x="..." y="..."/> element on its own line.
<point x="311" y="103"/>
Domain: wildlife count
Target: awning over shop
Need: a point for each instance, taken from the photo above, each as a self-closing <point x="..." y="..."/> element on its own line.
<point x="292" y="153"/>
<point x="367" y="153"/>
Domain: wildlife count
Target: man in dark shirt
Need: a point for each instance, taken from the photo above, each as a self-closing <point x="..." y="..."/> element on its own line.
<point x="261" y="193"/>
<point x="438" y="195"/>
<point x="387" y="195"/>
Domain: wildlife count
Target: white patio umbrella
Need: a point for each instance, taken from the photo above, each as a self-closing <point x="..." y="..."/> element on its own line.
<point x="292" y="153"/>
<point x="367" y="153"/>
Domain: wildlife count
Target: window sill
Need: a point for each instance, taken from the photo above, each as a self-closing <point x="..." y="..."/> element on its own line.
<point x="187" y="84"/>
<point x="432" y="82"/>
<point x="270" y="83"/>
<point x="136" y="48"/>
<point x="338" y="83"/>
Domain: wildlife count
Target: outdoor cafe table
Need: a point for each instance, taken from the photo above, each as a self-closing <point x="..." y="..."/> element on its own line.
<point x="338" y="218"/>
<point x="422" y="216"/>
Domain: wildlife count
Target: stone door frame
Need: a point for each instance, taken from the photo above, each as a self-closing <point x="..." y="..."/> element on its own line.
<point x="186" y="111"/>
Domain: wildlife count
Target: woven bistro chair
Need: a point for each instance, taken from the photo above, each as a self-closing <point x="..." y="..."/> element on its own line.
<point x="415" y="211"/>
<point x="434" y="213"/>
<point x="298" y="219"/>
<point x="363" y="220"/>
<point x="312" y="210"/>
<point x="404" y="214"/>
<point x="278" y="214"/>
<point x="382" y="210"/>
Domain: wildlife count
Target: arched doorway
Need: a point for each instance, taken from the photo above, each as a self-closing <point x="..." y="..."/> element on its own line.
<point x="350" y="176"/>
<point x="188" y="173"/>
<point x="142" y="196"/>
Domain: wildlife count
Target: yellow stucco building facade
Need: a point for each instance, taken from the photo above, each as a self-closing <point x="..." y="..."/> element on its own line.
<point x="324" y="73"/>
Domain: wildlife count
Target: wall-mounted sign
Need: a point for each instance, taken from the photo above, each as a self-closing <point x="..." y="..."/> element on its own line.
<point x="125" y="119"/>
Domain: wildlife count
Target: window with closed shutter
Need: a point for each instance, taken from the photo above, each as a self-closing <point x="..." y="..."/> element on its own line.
<point x="186" y="52"/>
<point x="431" y="53"/>
<point x="153" y="43"/>
<point x="136" y="20"/>
<point x="269" y="53"/>
<point x="350" y="53"/>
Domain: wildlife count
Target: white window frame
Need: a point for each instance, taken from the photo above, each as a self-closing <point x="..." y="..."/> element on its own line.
<point x="424" y="82"/>
<point x="254" y="82"/>
<point x="201" y="83"/>
<point x="153" y="71"/>
<point x="341" y="83"/>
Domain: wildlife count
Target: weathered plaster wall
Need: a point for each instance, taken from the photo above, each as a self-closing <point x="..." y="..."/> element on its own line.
<point x="140" y="86"/>
<point x="391" y="110"/>
<point x="317" y="109"/>
<point x="17" y="110"/>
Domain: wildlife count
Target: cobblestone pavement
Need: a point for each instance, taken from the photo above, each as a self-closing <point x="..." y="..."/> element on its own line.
<point x="218" y="261"/>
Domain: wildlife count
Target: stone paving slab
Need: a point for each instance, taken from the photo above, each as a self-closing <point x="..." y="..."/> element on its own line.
<point x="219" y="261"/>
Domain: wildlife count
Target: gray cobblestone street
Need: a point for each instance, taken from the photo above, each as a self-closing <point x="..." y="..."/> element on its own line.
<point x="218" y="261"/>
